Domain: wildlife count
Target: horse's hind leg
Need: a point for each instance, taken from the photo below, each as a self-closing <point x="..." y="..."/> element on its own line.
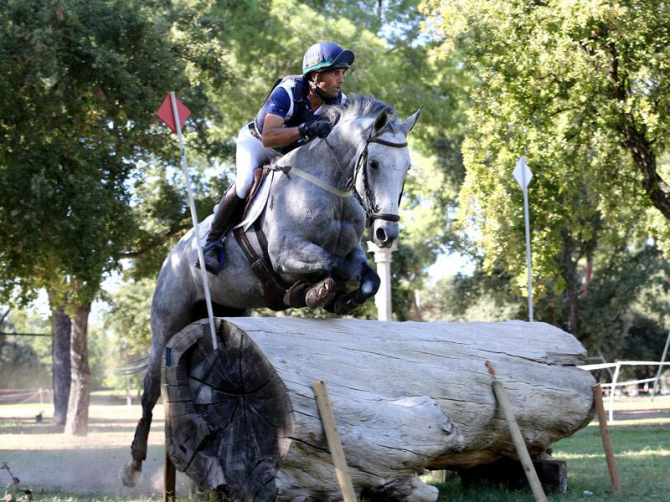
<point x="152" y="390"/>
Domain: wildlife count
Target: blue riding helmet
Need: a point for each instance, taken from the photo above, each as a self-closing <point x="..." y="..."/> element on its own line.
<point x="326" y="56"/>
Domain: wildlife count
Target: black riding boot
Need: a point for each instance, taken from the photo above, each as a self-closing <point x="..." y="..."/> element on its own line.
<point x="222" y="220"/>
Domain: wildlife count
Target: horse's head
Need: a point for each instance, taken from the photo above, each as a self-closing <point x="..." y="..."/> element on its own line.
<point x="379" y="176"/>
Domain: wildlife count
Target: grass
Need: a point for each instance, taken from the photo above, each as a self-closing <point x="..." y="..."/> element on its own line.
<point x="642" y="448"/>
<point x="643" y="460"/>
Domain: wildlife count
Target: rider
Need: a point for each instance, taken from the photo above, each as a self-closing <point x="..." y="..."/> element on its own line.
<point x="287" y="120"/>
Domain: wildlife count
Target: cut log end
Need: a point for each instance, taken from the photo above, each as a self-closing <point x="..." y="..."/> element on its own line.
<point x="229" y="418"/>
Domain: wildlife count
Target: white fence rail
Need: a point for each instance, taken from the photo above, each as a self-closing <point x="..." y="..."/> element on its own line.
<point x="615" y="378"/>
<point x="21" y="396"/>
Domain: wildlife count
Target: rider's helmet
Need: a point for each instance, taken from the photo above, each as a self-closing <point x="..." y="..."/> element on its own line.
<point x="326" y="56"/>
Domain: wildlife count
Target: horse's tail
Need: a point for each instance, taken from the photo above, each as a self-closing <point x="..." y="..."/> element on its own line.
<point x="133" y="367"/>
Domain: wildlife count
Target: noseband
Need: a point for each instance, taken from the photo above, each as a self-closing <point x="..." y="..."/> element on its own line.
<point x="367" y="201"/>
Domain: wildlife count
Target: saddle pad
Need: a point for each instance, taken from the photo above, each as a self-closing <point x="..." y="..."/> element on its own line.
<point x="258" y="204"/>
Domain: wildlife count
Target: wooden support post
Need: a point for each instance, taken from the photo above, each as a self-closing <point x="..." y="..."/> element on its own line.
<point x="334" y="441"/>
<point x="517" y="438"/>
<point x="605" y="433"/>
<point x="170" y="479"/>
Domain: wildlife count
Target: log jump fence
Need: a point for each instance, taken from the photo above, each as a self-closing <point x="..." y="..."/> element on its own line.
<point x="253" y="419"/>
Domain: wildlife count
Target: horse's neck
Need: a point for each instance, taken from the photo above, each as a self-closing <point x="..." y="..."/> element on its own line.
<point x="333" y="158"/>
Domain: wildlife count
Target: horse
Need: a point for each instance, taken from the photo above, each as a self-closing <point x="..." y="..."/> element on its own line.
<point x="318" y="201"/>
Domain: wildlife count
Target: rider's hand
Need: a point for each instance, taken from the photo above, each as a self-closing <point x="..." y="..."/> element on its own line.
<point x="316" y="128"/>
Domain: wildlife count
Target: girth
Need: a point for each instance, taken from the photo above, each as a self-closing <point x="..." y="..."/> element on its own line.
<point x="274" y="287"/>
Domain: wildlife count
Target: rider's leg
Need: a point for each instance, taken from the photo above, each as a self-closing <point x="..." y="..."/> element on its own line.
<point x="222" y="220"/>
<point x="250" y="154"/>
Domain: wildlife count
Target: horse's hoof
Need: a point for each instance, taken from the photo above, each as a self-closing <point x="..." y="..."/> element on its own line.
<point x="295" y="296"/>
<point x="321" y="294"/>
<point x="131" y="474"/>
<point x="346" y="304"/>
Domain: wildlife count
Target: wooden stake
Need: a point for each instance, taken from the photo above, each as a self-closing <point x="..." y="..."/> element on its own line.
<point x="605" y="434"/>
<point x="334" y="441"/>
<point x="517" y="438"/>
<point x="170" y="478"/>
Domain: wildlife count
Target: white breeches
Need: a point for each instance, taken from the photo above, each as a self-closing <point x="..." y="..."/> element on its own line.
<point x="251" y="154"/>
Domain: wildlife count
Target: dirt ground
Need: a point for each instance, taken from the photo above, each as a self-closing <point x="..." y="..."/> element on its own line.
<point x="44" y="458"/>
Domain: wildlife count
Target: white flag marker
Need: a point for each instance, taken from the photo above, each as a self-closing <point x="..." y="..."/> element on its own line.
<point x="523" y="175"/>
<point x="164" y="114"/>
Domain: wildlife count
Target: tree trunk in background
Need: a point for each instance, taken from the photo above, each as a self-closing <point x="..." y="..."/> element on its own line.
<point x="77" y="412"/>
<point x="60" y="366"/>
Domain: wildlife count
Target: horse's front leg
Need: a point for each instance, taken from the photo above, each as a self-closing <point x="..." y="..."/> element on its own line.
<point x="368" y="284"/>
<point x="307" y="259"/>
<point x="300" y="257"/>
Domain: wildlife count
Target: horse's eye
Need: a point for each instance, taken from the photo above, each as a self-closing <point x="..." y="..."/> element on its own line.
<point x="374" y="164"/>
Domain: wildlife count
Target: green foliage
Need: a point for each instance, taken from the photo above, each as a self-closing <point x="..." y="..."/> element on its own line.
<point x="128" y="317"/>
<point x="576" y="87"/>
<point x="79" y="87"/>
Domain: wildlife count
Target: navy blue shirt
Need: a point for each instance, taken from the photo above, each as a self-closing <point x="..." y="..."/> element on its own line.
<point x="289" y="101"/>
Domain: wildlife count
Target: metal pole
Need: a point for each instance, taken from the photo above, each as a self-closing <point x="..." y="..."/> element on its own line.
<point x="660" y="366"/>
<point x="527" y="220"/>
<point x="194" y="217"/>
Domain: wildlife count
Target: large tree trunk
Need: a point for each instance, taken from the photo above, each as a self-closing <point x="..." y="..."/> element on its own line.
<point x="77" y="412"/>
<point x="406" y="396"/>
<point x="60" y="354"/>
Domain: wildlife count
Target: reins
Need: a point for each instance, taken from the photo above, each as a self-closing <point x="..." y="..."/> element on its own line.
<point x="366" y="201"/>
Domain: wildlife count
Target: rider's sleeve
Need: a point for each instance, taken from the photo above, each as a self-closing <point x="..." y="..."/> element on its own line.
<point x="279" y="102"/>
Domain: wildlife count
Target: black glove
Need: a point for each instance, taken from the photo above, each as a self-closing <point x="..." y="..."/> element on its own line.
<point x="315" y="128"/>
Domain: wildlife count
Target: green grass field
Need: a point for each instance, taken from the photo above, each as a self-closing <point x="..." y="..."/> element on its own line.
<point x="643" y="460"/>
<point x="33" y="451"/>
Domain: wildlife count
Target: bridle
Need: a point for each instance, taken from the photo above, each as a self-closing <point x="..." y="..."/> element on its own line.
<point x="366" y="200"/>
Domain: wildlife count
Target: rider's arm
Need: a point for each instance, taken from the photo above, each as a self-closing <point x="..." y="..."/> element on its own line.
<point x="274" y="134"/>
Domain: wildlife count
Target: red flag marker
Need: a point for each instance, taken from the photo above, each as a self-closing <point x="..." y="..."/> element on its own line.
<point x="166" y="114"/>
<point x="174" y="114"/>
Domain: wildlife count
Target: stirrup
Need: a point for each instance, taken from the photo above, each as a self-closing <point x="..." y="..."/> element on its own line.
<point x="217" y="244"/>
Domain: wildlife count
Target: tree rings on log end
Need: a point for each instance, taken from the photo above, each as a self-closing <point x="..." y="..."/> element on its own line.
<point x="228" y="415"/>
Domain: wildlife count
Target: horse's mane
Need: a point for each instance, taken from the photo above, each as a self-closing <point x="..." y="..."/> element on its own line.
<point x="357" y="106"/>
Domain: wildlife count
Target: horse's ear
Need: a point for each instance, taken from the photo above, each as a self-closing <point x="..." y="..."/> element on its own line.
<point x="407" y="125"/>
<point x="381" y="121"/>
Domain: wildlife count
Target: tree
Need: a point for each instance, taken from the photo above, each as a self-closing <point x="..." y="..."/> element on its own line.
<point x="584" y="101"/>
<point x="79" y="86"/>
<point x="599" y="65"/>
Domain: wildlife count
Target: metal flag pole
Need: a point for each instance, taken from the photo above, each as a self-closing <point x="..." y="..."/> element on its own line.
<point x="523" y="175"/>
<point x="194" y="217"/>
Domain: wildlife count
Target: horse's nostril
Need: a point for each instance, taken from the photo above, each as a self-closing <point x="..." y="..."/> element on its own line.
<point x="381" y="235"/>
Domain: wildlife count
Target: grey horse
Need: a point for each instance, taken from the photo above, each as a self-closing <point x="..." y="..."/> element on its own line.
<point x="319" y="201"/>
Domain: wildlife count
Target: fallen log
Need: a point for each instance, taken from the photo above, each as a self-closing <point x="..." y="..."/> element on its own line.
<point x="406" y="397"/>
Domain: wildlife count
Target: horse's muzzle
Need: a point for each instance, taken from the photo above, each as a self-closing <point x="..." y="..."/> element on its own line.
<point x="384" y="232"/>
